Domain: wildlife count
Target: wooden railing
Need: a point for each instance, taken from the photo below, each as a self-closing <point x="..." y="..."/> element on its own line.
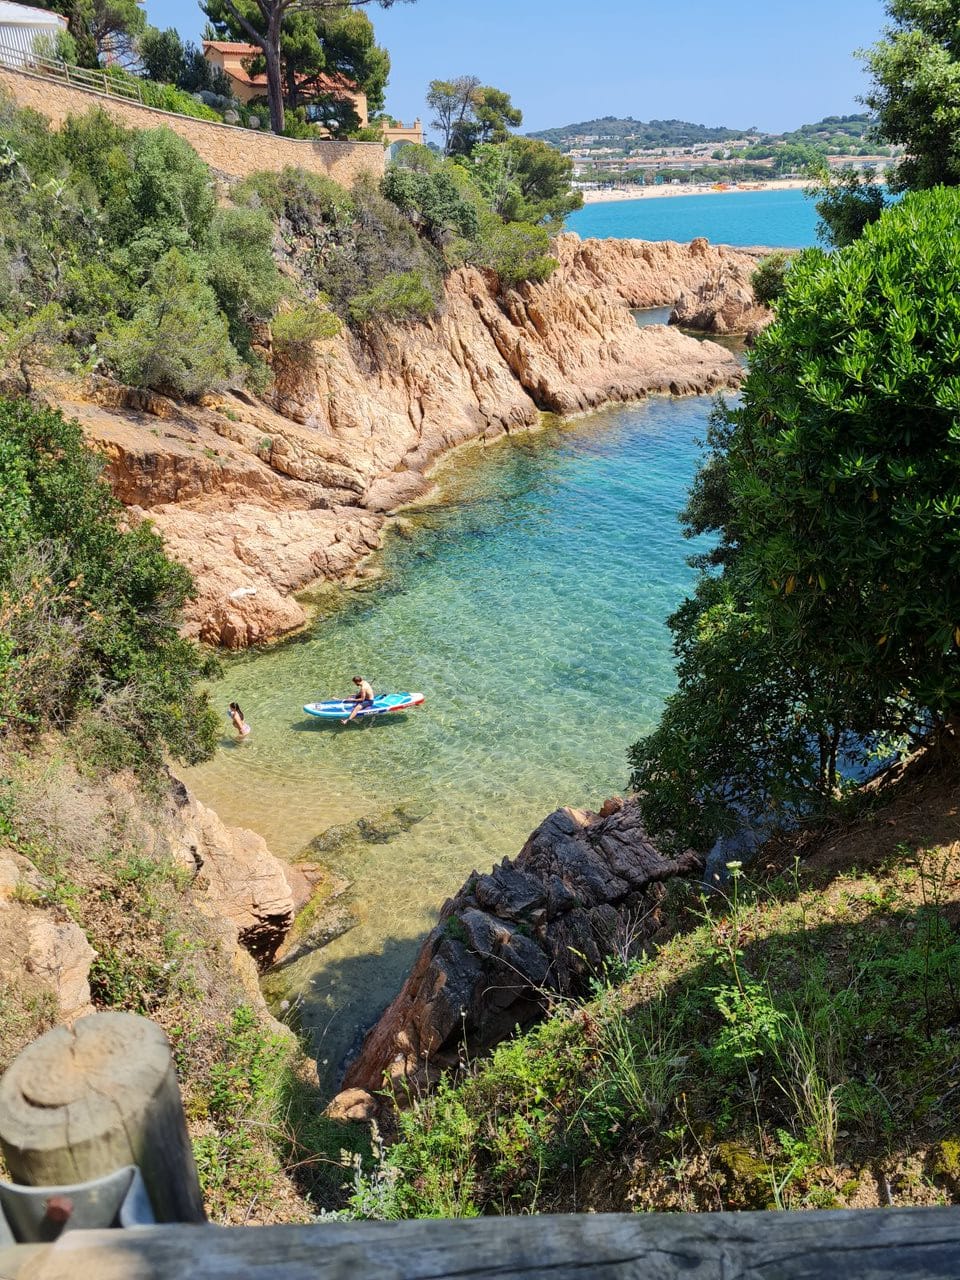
<point x="82" y="1101"/>
<point x="866" y="1244"/>
<point x="55" y="69"/>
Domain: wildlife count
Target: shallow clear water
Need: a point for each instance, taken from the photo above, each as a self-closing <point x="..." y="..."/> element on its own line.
<point x="781" y="219"/>
<point x="527" y="602"/>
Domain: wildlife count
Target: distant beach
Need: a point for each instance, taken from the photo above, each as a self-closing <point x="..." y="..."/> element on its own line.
<point x="637" y="191"/>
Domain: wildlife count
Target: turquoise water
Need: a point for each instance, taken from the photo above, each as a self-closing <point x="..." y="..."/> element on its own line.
<point x="781" y="219"/>
<point x="527" y="600"/>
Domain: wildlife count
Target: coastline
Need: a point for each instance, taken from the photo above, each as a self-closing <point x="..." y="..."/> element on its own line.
<point x="636" y="191"/>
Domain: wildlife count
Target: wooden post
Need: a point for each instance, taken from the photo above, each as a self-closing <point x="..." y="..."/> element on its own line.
<point x="85" y="1100"/>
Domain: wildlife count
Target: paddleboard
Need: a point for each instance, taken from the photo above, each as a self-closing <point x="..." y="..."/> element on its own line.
<point x="382" y="703"/>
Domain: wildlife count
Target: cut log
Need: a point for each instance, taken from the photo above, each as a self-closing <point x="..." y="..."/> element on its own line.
<point x="85" y="1100"/>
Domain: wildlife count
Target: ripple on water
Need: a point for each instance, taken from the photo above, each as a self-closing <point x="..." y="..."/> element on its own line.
<point x="529" y="606"/>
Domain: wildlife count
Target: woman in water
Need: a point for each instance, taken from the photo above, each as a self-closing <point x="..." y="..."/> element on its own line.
<point x="237" y="720"/>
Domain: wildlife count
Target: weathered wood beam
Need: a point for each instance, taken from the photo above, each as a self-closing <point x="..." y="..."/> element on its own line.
<point x="879" y="1244"/>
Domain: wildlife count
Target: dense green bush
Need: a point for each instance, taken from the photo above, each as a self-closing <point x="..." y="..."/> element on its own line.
<point x="769" y="279"/>
<point x="177" y="340"/>
<point x="835" y="489"/>
<point x="516" y="251"/>
<point x="400" y="295"/>
<point x="89" y="608"/>
<point x="295" y="331"/>
<point x="89" y="216"/>
<point x="294" y="196"/>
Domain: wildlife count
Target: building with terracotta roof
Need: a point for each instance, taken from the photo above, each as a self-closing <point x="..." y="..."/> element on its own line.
<point x="234" y="59"/>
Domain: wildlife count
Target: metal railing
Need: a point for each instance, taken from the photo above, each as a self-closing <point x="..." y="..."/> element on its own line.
<point x="54" y="69"/>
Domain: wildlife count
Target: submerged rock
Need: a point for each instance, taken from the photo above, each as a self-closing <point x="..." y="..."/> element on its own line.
<point x="378" y="828"/>
<point x="583" y="887"/>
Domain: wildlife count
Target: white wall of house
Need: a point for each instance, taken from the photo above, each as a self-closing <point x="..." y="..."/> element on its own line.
<point x="20" y="25"/>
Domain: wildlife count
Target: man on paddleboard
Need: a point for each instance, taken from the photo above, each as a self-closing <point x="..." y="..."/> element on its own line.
<point x="362" y="698"/>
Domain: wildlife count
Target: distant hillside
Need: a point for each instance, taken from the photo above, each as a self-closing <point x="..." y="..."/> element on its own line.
<point x="640" y="133"/>
<point x="626" y="138"/>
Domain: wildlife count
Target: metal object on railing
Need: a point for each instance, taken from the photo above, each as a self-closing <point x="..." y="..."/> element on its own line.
<point x="36" y="1215"/>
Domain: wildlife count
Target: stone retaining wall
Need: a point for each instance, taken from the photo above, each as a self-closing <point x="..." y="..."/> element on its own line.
<point x="227" y="148"/>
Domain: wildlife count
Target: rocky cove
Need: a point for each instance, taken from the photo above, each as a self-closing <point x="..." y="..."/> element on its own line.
<point x="262" y="500"/>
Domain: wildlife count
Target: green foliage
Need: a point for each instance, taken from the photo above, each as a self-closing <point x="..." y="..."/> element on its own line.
<point x="241" y="271"/>
<point x="103" y="223"/>
<point x="516" y="251"/>
<point x="295" y="331"/>
<point x="161" y="54"/>
<point x="90" y="610"/>
<point x="847" y="502"/>
<point x="305" y="201"/>
<point x="769" y="279"/>
<point x="846" y="203"/>
<point x="176" y="341"/>
<point x="834" y="490"/>
<point x="168" y="61"/>
<point x="916" y="91"/>
<point x="432" y="199"/>
<point x="399" y="296"/>
<point x="526" y="181"/>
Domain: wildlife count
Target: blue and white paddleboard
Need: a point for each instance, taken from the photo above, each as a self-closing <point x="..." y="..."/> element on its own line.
<point x="382" y="703"/>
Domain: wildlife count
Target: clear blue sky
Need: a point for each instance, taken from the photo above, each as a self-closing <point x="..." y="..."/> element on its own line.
<point x="738" y="63"/>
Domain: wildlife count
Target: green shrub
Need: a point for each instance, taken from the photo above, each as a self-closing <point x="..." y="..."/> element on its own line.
<point x="400" y="296"/>
<point x="165" y="97"/>
<point x="241" y="270"/>
<point x="89" y="609"/>
<point x="294" y="331"/>
<point x="834" y="630"/>
<point x="516" y="251"/>
<point x="769" y="279"/>
<point x="305" y="200"/>
<point x="434" y="201"/>
<point x="177" y="341"/>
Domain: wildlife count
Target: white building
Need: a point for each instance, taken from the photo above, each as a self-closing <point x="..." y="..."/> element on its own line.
<point x="20" y="25"/>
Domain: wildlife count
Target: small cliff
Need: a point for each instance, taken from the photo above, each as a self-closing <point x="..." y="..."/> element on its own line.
<point x="260" y="501"/>
<point x="584" y="886"/>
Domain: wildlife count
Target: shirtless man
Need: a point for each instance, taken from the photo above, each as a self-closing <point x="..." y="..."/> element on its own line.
<point x="362" y="698"/>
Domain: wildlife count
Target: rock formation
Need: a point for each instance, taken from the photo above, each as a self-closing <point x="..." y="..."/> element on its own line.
<point x="722" y="301"/>
<point x="583" y="886"/>
<point x="261" y="502"/>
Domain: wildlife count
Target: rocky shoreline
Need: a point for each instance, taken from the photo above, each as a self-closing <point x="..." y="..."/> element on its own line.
<point x="263" y="500"/>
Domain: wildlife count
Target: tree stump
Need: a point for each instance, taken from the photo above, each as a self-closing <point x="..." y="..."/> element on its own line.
<point x="85" y="1100"/>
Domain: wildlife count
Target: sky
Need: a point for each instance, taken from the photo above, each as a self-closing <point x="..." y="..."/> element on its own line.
<point x="737" y="63"/>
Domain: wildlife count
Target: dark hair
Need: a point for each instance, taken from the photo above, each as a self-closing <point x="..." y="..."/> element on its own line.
<point x="358" y="679"/>
<point x="235" y="706"/>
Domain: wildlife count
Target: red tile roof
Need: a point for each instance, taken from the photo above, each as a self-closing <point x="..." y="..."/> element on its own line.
<point x="325" y="83"/>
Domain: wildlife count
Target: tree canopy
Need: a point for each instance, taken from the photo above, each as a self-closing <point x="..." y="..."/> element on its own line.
<point x="469" y="114"/>
<point x="309" y="39"/>
<point x="916" y="90"/>
<point x="834" y="487"/>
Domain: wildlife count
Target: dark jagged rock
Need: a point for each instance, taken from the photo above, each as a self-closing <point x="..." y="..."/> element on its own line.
<point x="534" y="928"/>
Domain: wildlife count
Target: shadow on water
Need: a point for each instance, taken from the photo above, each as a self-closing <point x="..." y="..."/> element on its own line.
<point x="338" y="1005"/>
<point x="315" y="725"/>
